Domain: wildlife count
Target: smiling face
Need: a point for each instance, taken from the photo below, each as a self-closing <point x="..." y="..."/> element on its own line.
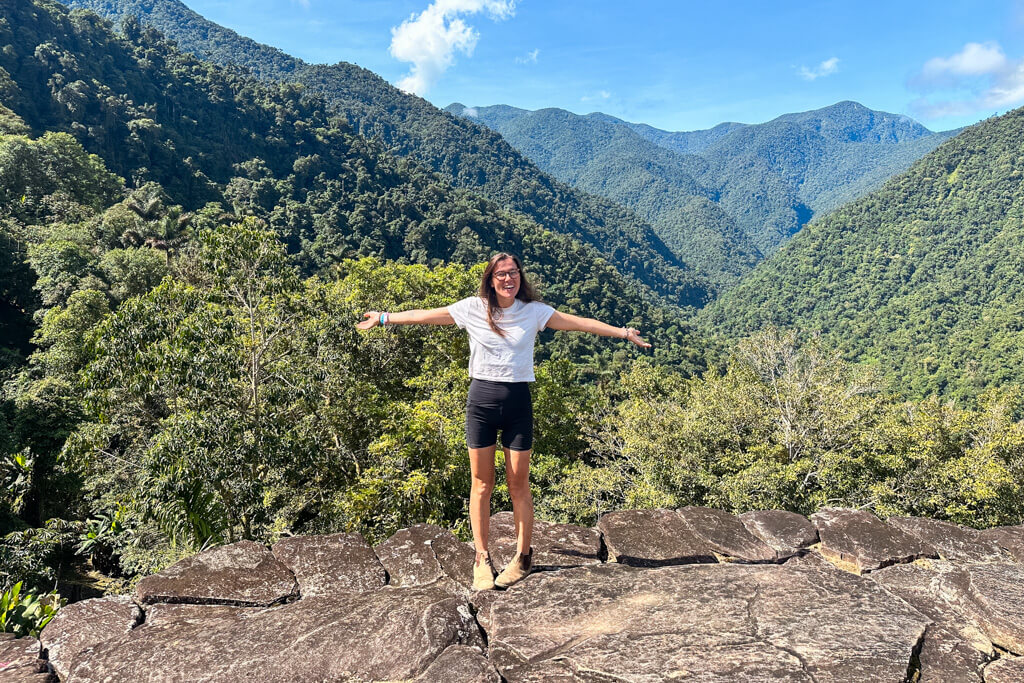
<point x="505" y="281"/>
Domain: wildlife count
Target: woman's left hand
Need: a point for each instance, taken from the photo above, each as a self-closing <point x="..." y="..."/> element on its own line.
<point x="633" y="335"/>
<point x="372" y="319"/>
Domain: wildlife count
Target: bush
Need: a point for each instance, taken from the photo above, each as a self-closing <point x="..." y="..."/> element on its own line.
<point x="26" y="614"/>
<point x="797" y="429"/>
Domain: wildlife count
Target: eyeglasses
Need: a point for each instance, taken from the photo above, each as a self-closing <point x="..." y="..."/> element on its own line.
<point x="506" y="274"/>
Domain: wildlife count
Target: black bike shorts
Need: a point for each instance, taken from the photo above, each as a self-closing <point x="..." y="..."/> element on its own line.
<point x="504" y="406"/>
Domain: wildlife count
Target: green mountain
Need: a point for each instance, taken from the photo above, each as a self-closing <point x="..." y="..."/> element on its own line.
<point x="922" y="278"/>
<point x="214" y="139"/>
<point x="613" y="161"/>
<point x="768" y="180"/>
<point x="774" y="177"/>
<point x="467" y="155"/>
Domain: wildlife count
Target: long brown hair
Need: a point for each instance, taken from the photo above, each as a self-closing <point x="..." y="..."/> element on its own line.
<point x="526" y="292"/>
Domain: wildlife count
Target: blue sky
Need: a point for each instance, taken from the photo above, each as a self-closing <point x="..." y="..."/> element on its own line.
<point x="675" y="65"/>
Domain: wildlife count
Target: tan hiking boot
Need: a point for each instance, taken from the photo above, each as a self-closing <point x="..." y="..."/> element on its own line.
<point x="516" y="570"/>
<point x="483" y="573"/>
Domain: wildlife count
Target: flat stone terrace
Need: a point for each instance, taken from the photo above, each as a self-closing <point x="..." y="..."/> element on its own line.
<point x="646" y="595"/>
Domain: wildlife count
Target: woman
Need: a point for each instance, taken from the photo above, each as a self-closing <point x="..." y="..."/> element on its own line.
<point x="502" y="320"/>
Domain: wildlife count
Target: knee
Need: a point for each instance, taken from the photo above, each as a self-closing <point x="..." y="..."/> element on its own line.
<point x="483" y="487"/>
<point x="519" y="488"/>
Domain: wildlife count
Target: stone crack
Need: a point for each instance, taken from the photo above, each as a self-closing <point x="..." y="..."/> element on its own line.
<point x="914" y="665"/>
<point x="752" y="618"/>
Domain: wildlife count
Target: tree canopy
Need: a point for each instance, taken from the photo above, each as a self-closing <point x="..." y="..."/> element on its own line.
<point x="921" y="278"/>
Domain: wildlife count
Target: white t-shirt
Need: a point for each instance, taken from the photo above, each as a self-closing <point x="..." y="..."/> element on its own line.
<point x="495" y="358"/>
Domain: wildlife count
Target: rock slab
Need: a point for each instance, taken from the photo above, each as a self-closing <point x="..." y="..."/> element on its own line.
<point x="243" y="573"/>
<point x="992" y="596"/>
<point x="652" y="538"/>
<point x="953" y="542"/>
<point x="954" y="648"/>
<point x="323" y="565"/>
<point x="83" y="624"/>
<point x="235" y="613"/>
<point x="983" y="603"/>
<point x="460" y="663"/>
<point x="1009" y="538"/>
<point x="164" y="613"/>
<point x="787" y="532"/>
<point x="727" y="535"/>
<point x="1005" y="670"/>
<point x="707" y="622"/>
<point x="858" y="541"/>
<point x="424" y="554"/>
<point x="393" y="633"/>
<point x="20" y="660"/>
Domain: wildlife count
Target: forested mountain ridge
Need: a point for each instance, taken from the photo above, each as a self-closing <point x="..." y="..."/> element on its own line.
<point x="782" y="173"/>
<point x="207" y="134"/>
<point x="613" y="161"/>
<point x="922" y="278"/>
<point x="849" y="121"/>
<point x="468" y="155"/>
<point x="684" y="142"/>
<point x="767" y="180"/>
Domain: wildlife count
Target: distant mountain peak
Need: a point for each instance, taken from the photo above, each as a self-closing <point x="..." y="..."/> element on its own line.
<point x="849" y="121"/>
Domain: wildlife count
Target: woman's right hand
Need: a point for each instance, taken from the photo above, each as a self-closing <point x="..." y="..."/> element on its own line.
<point x="372" y="320"/>
<point x="633" y="335"/>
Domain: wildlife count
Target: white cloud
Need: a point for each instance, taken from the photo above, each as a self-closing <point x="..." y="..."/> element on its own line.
<point x="1008" y="90"/>
<point x="975" y="59"/>
<point x="826" y="68"/>
<point x="430" y="39"/>
<point x="529" y="57"/>
<point x="470" y="111"/>
<point x="601" y="95"/>
<point x="979" y="77"/>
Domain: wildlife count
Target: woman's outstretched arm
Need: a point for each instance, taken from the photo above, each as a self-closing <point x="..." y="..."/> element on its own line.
<point x="566" y="321"/>
<point x="435" y="316"/>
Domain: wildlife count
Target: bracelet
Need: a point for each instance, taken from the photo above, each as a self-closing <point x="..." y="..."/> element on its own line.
<point x="384" y="317"/>
<point x="626" y="331"/>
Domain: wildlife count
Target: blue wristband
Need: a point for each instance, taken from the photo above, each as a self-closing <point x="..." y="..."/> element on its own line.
<point x="384" y="319"/>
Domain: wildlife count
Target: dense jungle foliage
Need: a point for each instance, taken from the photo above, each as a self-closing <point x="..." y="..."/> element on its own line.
<point x="180" y="366"/>
<point x="207" y="135"/>
<point x="467" y="155"/>
<point x="202" y="147"/>
<point x="922" y="279"/>
<point x="235" y="400"/>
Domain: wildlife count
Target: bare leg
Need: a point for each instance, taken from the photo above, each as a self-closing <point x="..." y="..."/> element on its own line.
<point x="517" y="472"/>
<point x="481" y="465"/>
